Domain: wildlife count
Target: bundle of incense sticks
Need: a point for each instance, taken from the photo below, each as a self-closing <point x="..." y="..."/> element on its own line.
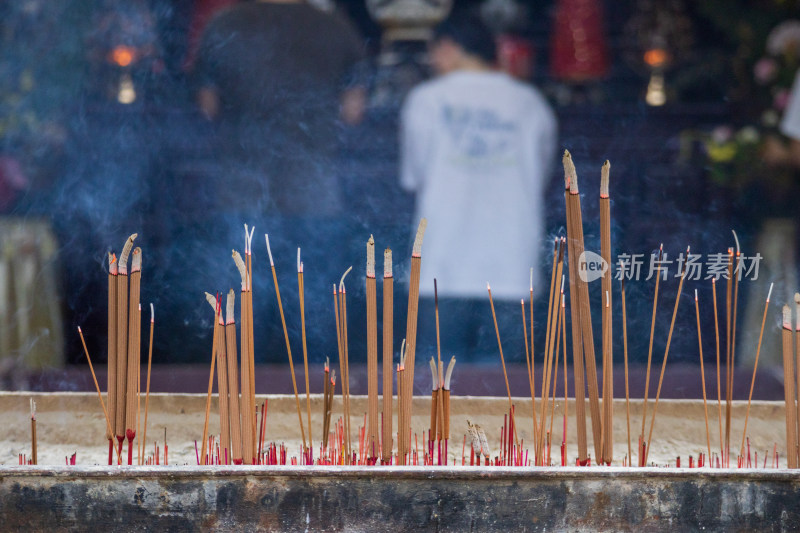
<point x="329" y="388"/>
<point x="789" y="389"/>
<point x="434" y="407"/>
<point x="288" y="345"/>
<point x="122" y="337"/>
<point x="372" y="353"/>
<point x="222" y="373"/>
<point x="553" y="320"/>
<point x="235" y="454"/>
<point x="247" y="407"/>
<point x="608" y="358"/>
<point x="217" y="314"/>
<point x="388" y="354"/>
<point x="582" y="338"/>
<point x="134" y="353"/>
<point x="407" y="391"/>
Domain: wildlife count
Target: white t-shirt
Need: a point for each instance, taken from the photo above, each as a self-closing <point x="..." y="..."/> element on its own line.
<point x="476" y="147"/>
<point x="790" y="125"/>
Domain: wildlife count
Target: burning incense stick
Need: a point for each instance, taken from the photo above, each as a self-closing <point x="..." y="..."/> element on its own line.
<point x="702" y="371"/>
<point x="149" y="364"/>
<point x="650" y="346"/>
<point x="789" y="389"/>
<point x="112" y="347"/>
<point x="134" y="341"/>
<point x="346" y="361"/>
<point x="607" y="322"/>
<point x="288" y="346"/>
<point x="411" y="343"/>
<point x="246" y="406"/>
<point x="250" y="339"/>
<point x="122" y="339"/>
<point x="99" y="394"/>
<point x="372" y="352"/>
<point x="625" y="353"/>
<point x="301" y="291"/>
<point x="235" y="453"/>
<point x="217" y="314"/>
<point x="755" y="367"/>
<point x="666" y="354"/>
<point x="388" y="348"/>
<point x="500" y="348"/>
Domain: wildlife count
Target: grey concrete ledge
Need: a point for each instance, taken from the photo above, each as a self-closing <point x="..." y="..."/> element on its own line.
<point x="191" y="498"/>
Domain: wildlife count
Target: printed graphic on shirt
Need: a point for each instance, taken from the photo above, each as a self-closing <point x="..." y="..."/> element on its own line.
<point x="479" y="137"/>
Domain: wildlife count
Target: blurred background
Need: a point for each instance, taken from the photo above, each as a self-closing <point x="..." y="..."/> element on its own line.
<point x="103" y="133"/>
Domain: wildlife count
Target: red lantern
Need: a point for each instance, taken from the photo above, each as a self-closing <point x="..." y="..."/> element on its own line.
<point x="579" y="51"/>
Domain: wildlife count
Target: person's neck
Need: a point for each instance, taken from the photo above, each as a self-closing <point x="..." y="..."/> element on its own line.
<point x="473" y="64"/>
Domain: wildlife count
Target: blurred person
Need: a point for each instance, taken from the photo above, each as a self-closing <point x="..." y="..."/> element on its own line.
<point x="280" y="80"/>
<point x="777" y="152"/>
<point x="477" y="148"/>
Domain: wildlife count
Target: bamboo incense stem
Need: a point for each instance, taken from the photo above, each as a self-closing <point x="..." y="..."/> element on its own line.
<point x="112" y="343"/>
<point x="99" y="394"/>
<point x="702" y="372"/>
<point x="245" y="416"/>
<point x="719" y="387"/>
<point x="235" y="453"/>
<point x="728" y="362"/>
<point x="625" y="354"/>
<point x="372" y="352"/>
<point x="607" y="321"/>
<point x="34" y="456"/>
<point x="147" y="387"/>
<point x="788" y="389"/>
<point x="122" y="339"/>
<point x="134" y="341"/>
<point x="388" y="349"/>
<point x="301" y="290"/>
<point x="797" y="358"/>
<point x="534" y="432"/>
<point x="502" y="359"/>
<point x="217" y="313"/>
<point x="411" y="343"/>
<point x="575" y="310"/>
<point x="666" y="354"/>
<point x="222" y="378"/>
<point x="755" y="367"/>
<point x="650" y="346"/>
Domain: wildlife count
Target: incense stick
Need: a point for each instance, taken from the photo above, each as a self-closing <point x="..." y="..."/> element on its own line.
<point x="607" y="322"/>
<point x="719" y="388"/>
<point x="702" y="371"/>
<point x="625" y="353"/>
<point x="346" y="360"/>
<point x="372" y="351"/>
<point x="301" y="291"/>
<point x="99" y="394"/>
<point x="231" y="357"/>
<point x="250" y="338"/>
<point x="388" y="348"/>
<point x="217" y="312"/>
<point x="755" y="367"/>
<point x="286" y="338"/>
<point x="728" y="362"/>
<point x="147" y="391"/>
<point x="34" y="450"/>
<point x="245" y="406"/>
<point x="134" y="340"/>
<point x="438" y="370"/>
<point x="650" y="346"/>
<point x="789" y="389"/>
<point x="446" y="403"/>
<point x="534" y="434"/>
<point x="666" y="354"/>
<point x="222" y="377"/>
<point x="112" y="347"/>
<point x="411" y="343"/>
<point x="797" y="358"/>
<point x="502" y="359"/>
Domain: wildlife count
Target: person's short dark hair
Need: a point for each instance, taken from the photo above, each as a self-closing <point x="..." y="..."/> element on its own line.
<point x="469" y="32"/>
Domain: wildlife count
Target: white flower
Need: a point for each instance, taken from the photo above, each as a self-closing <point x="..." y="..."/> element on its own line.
<point x="748" y="134"/>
